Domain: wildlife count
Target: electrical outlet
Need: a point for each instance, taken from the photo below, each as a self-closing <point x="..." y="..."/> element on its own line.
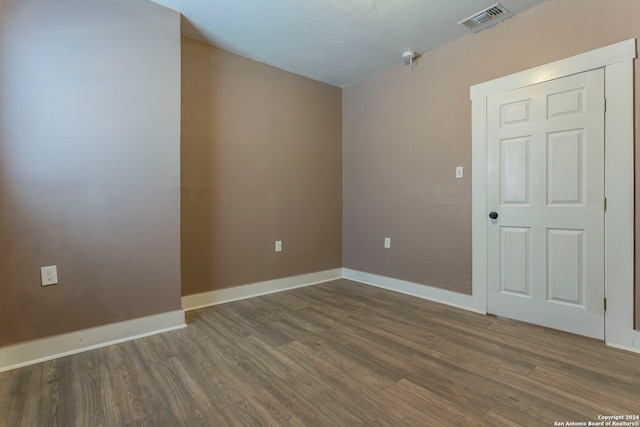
<point x="387" y="242"/>
<point x="49" y="275"/>
<point x="278" y="245"/>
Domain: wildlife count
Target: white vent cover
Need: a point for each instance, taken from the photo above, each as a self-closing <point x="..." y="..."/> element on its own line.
<point x="484" y="16"/>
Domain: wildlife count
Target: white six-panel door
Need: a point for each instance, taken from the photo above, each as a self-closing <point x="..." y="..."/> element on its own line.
<point x="545" y="182"/>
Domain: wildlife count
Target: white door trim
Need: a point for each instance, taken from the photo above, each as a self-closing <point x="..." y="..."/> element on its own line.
<point x="617" y="61"/>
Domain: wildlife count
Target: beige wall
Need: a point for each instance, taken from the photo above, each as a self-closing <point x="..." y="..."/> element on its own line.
<point x="405" y="131"/>
<point x="261" y="161"/>
<point x="89" y="166"/>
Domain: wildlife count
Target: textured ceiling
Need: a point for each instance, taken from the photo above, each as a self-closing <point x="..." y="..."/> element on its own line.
<point x="335" y="41"/>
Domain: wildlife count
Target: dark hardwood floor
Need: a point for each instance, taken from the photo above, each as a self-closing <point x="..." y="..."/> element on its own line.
<point x="335" y="354"/>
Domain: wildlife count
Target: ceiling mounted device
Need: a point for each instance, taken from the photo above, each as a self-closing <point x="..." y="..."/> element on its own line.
<point x="409" y="57"/>
<point x="492" y="13"/>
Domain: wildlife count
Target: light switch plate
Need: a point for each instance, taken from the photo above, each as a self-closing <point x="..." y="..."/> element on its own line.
<point x="459" y="172"/>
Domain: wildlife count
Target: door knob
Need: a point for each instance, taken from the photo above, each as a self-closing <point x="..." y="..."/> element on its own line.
<point x="493" y="215"/>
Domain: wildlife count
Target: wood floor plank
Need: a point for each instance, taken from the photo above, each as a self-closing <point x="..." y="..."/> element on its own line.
<point x="401" y="410"/>
<point x="29" y="404"/>
<point x="450" y="383"/>
<point x="552" y="344"/>
<point x="334" y="354"/>
<point x="265" y="410"/>
<point x="566" y="399"/>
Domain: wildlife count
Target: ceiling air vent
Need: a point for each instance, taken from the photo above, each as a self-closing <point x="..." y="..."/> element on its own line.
<point x="484" y="16"/>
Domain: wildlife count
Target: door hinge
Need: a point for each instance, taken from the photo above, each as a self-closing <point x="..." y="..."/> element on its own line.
<point x="604" y="304"/>
<point x="605" y="105"/>
<point x="605" y="204"/>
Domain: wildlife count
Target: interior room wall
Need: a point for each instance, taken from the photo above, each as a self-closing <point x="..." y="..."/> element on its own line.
<point x="89" y="164"/>
<point x="261" y="161"/>
<point x="406" y="130"/>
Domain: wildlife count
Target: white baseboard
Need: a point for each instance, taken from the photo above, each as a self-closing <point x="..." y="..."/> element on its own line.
<point x="206" y="299"/>
<point x="41" y="350"/>
<point x="44" y="349"/>
<point x="635" y="343"/>
<point x="421" y="291"/>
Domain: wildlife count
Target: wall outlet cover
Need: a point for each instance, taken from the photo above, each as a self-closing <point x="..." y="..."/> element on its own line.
<point x="49" y="275"/>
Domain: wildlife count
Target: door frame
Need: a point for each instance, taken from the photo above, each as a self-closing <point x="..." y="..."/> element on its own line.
<point x="617" y="61"/>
